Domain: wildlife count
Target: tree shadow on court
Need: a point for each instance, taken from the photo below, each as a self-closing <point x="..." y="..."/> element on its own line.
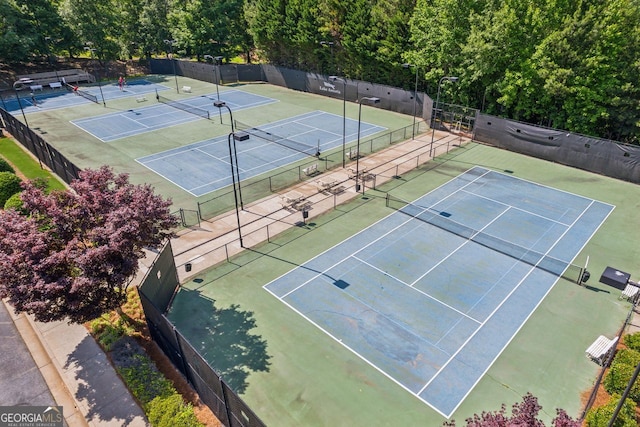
<point x="222" y="335"/>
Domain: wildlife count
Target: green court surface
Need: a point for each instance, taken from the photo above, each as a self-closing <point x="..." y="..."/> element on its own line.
<point x="86" y="150"/>
<point x="291" y="373"/>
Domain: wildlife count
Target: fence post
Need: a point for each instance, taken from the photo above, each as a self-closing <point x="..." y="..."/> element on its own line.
<point x="226" y="401"/>
<point x="183" y="360"/>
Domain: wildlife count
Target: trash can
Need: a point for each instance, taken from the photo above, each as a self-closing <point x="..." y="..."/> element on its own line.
<point x="187" y="267"/>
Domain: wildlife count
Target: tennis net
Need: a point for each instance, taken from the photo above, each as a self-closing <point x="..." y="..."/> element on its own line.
<point x="439" y="219"/>
<point x="285" y="142"/>
<point x="82" y="93"/>
<point x="184" y="106"/>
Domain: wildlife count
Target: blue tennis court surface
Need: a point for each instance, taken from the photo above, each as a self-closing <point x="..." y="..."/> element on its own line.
<point x="430" y="303"/>
<point x="203" y="167"/>
<point x="158" y="116"/>
<point x="62" y="98"/>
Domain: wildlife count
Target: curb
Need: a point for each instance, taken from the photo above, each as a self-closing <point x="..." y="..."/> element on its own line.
<point x="51" y="373"/>
<point x="87" y="386"/>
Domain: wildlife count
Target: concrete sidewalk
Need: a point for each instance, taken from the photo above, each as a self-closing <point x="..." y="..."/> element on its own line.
<point x="78" y="374"/>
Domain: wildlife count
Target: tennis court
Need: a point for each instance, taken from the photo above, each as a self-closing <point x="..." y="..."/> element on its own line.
<point x="63" y="98"/>
<point x="146" y="119"/>
<point x="203" y="167"/>
<point x="432" y="294"/>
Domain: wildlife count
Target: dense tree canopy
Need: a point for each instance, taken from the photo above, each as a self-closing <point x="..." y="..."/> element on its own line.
<point x="572" y="64"/>
<point x="72" y="256"/>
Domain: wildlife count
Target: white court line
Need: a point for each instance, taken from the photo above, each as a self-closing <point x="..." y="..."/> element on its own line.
<point x="518" y="209"/>
<point x="531" y="270"/>
<point x="415" y="289"/>
<point x="393" y="230"/>
<point x="467" y="241"/>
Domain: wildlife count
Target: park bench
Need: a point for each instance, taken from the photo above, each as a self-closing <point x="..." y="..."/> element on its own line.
<point x="630" y="293"/>
<point x="601" y="348"/>
<point x="311" y="170"/>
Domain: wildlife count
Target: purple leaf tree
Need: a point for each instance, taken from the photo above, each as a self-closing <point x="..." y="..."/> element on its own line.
<point x="523" y="414"/>
<point x="73" y="255"/>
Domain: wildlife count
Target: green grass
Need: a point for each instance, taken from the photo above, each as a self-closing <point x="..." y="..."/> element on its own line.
<point x="24" y="162"/>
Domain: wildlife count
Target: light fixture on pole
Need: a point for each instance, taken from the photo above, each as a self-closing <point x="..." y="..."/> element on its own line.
<point x="216" y="61"/>
<point x="371" y="100"/>
<point x="324" y="43"/>
<point x="91" y="51"/>
<point x="18" y="85"/>
<point x="237" y="136"/>
<point x="435" y="112"/>
<point x="171" y="43"/>
<point x="415" y="99"/>
<point x="47" y="40"/>
<point x="344" y="113"/>
<point x="220" y="105"/>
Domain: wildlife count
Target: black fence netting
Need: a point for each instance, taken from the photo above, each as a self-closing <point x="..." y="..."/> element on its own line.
<point x="605" y="157"/>
<point x="40" y="148"/>
<point x="391" y="98"/>
<point x="156" y="291"/>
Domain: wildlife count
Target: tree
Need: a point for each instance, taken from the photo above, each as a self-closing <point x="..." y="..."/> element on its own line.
<point x="96" y="22"/>
<point x="16" y="33"/>
<point x="72" y="257"/>
<point x="524" y="413"/>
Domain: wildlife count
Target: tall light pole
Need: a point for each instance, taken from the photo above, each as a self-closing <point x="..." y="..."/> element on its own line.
<point x="344" y="113"/>
<point x="48" y="39"/>
<point x="171" y="43"/>
<point x="91" y="51"/>
<point x="415" y="99"/>
<point x="435" y="112"/>
<point x="16" y="86"/>
<point x="220" y="105"/>
<point x="370" y="100"/>
<point x="237" y="136"/>
<point x="325" y="43"/>
<point x="216" y="60"/>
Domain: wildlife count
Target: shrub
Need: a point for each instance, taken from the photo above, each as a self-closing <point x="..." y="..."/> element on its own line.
<point x="601" y="416"/>
<point x="171" y="411"/>
<point x="633" y="341"/>
<point x="5" y="166"/>
<point x="9" y="185"/>
<point x="107" y="332"/>
<point x="140" y="373"/>
<point x="14" y="202"/>
<point x="622" y="367"/>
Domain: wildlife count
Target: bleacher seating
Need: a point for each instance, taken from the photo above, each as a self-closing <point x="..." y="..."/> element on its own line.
<point x="61" y="76"/>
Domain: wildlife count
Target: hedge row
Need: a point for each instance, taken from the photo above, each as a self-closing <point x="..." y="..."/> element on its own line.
<point x="615" y="382"/>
